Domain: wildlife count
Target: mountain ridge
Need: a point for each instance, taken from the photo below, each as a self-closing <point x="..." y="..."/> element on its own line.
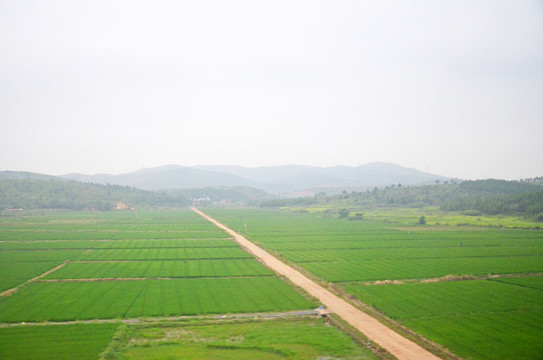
<point x="274" y="179"/>
<point x="283" y="179"/>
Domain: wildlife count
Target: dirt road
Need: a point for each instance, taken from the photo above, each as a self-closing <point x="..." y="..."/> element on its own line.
<point x="394" y="343"/>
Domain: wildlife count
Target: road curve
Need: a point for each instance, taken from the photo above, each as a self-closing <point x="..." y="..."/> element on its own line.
<point x="388" y="339"/>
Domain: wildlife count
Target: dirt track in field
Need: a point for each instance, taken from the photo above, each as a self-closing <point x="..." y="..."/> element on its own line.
<point x="12" y="291"/>
<point x="389" y="340"/>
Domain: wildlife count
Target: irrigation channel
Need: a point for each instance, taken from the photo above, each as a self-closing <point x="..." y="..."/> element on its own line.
<point x="388" y="339"/>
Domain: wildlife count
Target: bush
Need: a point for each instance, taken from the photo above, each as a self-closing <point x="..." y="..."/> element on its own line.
<point x="422" y="220"/>
<point x="472" y="212"/>
<point x="343" y="213"/>
<point x="358" y="216"/>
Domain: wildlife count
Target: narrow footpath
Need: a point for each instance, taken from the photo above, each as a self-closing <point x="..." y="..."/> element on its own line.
<point x="388" y="339"/>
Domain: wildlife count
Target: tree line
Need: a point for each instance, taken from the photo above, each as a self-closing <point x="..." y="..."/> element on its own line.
<point x="74" y="195"/>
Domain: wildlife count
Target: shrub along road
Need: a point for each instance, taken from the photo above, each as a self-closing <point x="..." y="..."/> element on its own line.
<point x="394" y="343"/>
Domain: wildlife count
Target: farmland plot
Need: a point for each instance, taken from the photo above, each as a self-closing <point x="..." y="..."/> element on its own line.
<point x="61" y="301"/>
<point x="165" y="254"/>
<point x="163" y="269"/>
<point x="487" y="319"/>
<point x="292" y="338"/>
<point x="16" y="273"/>
<point x="16" y="267"/>
<point x="55" y="342"/>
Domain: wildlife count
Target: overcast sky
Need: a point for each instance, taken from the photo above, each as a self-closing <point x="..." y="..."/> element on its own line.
<point x="450" y="87"/>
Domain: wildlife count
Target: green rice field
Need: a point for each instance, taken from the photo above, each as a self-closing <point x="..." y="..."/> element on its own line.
<point x="290" y="338"/>
<point x="497" y="314"/>
<point x="161" y="269"/>
<point x="176" y="264"/>
<point x="146" y="265"/>
<point x="55" y="342"/>
<point x="62" y="301"/>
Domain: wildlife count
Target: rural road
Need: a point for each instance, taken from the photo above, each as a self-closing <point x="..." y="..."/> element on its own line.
<point x="394" y="343"/>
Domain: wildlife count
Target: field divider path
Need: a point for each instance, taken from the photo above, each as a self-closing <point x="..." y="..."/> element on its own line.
<point x="397" y="345"/>
<point x="151" y="278"/>
<point x="154" y="319"/>
<point x="13" y="290"/>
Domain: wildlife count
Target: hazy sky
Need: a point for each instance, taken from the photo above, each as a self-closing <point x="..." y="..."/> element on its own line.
<point x="450" y="87"/>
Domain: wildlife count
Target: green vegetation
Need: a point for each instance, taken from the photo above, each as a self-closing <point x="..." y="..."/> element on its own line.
<point x="61" y="301"/>
<point x="293" y="338"/>
<point x="503" y="198"/>
<point x="487" y="196"/>
<point x="166" y="269"/>
<point x="496" y="320"/>
<point x="16" y="266"/>
<point x="38" y="255"/>
<point x="165" y="254"/>
<point x="55" y="342"/>
<point x="16" y="273"/>
<point x="499" y="318"/>
<point x="116" y="244"/>
<point x="59" y="194"/>
<point x="470" y="198"/>
<point x="192" y="268"/>
<point x="187" y="266"/>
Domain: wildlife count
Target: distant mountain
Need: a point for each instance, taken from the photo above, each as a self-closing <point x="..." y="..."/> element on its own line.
<point x="273" y="179"/>
<point x="25" y="175"/>
<point x="166" y="177"/>
<point x="289" y="178"/>
<point x="282" y="179"/>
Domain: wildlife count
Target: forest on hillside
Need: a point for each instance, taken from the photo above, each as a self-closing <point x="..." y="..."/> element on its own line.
<point x="490" y="197"/>
<point x="74" y="195"/>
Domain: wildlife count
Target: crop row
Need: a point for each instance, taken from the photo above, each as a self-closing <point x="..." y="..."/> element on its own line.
<point x="392" y="240"/>
<point x="165" y="254"/>
<point x="176" y="216"/>
<point x="362" y="243"/>
<point x="115" y="244"/>
<point x="385" y="269"/>
<point x="107" y="235"/>
<point x="151" y="269"/>
<point x="104" y="226"/>
<point x="384" y="234"/>
<point x="301" y="256"/>
<point x="37" y="255"/>
<point x="130" y="299"/>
